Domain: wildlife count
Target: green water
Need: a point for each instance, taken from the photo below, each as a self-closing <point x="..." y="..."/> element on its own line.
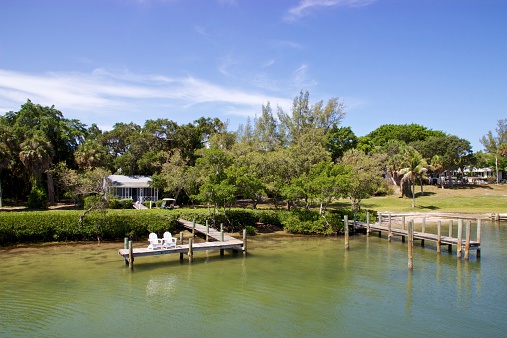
<point x="286" y="287"/>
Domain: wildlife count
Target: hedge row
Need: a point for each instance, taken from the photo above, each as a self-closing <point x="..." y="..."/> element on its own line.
<point x="50" y="226"/>
<point x="110" y="225"/>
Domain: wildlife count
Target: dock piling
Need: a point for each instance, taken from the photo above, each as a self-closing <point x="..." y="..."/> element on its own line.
<point x="403" y="227"/>
<point x="479" y="238"/>
<point x="423" y="229"/>
<point x="207" y="231"/>
<point x="389" y="231"/>
<point x="221" y="237"/>
<point x="467" y="239"/>
<point x="459" y="243"/>
<point x="190" y="250"/>
<point x="346" y="229"/>
<point x="367" y="223"/>
<point x="181" y="243"/>
<point x="449" y="247"/>
<point x="131" y="256"/>
<point x="439" y="236"/>
<point x="411" y="245"/>
<point x="244" y="243"/>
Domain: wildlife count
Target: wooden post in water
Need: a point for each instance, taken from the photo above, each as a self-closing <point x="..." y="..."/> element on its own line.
<point x="367" y="223"/>
<point x="449" y="246"/>
<point x="221" y="237"/>
<point x="389" y="231"/>
<point x="207" y="231"/>
<point x="346" y="229"/>
<point x="460" y="238"/>
<point x="467" y="240"/>
<point x="190" y="250"/>
<point x="423" y="230"/>
<point x="439" y="236"/>
<point x="479" y="237"/>
<point x="411" y="245"/>
<point x="131" y="256"/>
<point x="403" y="227"/>
<point x="126" y="246"/>
<point x="244" y="242"/>
<point x="181" y="243"/>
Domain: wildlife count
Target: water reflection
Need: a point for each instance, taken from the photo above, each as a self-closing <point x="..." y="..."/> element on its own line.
<point x="408" y="306"/>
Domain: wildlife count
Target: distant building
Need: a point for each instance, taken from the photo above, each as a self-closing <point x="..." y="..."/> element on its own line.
<point x="135" y="187"/>
<point x="482" y="175"/>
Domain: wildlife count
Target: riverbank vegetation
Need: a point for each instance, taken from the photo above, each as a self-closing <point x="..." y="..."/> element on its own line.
<point x="113" y="225"/>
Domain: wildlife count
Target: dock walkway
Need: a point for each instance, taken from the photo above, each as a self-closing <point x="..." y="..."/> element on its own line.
<point x="220" y="241"/>
<point x="462" y="243"/>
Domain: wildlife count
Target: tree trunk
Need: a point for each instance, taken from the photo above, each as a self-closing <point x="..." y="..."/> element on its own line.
<point x="413" y="194"/>
<point x="51" y="188"/>
<point x="406" y="188"/>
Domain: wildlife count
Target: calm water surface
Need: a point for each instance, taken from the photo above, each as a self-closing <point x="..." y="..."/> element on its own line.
<point x="286" y="287"/>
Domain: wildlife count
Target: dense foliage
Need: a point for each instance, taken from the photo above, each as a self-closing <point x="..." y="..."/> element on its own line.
<point x="302" y="158"/>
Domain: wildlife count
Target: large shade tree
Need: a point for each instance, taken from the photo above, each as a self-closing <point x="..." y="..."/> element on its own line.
<point x="35" y="125"/>
<point x="366" y="175"/>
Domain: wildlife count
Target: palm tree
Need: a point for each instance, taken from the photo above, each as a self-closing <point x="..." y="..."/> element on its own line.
<point x="36" y="155"/>
<point x="437" y="167"/>
<point x="417" y="168"/>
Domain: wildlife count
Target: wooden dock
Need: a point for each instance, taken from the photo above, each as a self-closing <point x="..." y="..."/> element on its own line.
<point x="462" y="242"/>
<point x="215" y="240"/>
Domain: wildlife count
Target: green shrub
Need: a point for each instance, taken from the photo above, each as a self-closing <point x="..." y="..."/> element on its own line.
<point x="250" y="230"/>
<point x="38" y="199"/>
<point x="63" y="225"/>
<point x="125" y="203"/>
<point x="94" y="201"/>
<point x="302" y="221"/>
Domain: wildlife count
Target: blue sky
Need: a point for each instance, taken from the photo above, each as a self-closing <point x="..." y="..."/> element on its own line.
<point x="439" y="63"/>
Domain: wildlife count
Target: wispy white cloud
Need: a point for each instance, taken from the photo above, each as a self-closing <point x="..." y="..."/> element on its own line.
<point x="300" y="78"/>
<point x="106" y="94"/>
<point x="226" y="63"/>
<point x="306" y="6"/>
<point x="268" y="63"/>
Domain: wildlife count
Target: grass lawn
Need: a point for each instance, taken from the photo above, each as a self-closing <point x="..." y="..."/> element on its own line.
<point x="480" y="199"/>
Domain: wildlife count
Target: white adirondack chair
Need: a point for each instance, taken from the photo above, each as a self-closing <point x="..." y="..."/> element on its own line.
<point x="168" y="241"/>
<point x="155" y="242"/>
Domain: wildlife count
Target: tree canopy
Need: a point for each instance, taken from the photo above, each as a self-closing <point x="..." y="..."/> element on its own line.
<point x="303" y="157"/>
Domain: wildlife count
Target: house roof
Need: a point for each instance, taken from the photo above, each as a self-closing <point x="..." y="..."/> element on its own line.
<point x="129" y="181"/>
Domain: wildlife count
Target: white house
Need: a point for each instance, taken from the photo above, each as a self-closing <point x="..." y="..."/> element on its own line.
<point x="135" y="187"/>
<point x="481" y="175"/>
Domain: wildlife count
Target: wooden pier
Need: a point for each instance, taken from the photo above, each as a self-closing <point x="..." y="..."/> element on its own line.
<point x="462" y="242"/>
<point x="215" y="240"/>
